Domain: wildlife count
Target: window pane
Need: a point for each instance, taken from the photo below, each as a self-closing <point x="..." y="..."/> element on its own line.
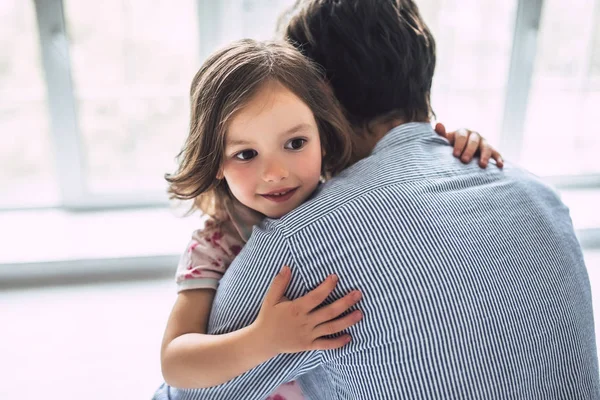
<point x="560" y="137"/>
<point x="132" y="67"/>
<point x="474" y="43"/>
<point x="255" y="19"/>
<point x="27" y="175"/>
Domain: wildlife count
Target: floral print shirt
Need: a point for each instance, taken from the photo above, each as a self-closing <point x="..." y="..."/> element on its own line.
<point x="207" y="256"/>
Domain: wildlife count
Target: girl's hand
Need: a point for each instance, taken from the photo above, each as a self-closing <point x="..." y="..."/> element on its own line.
<point x="291" y="326"/>
<point x="468" y="143"/>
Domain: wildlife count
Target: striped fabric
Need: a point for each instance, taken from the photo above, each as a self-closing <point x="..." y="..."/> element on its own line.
<point x="474" y="284"/>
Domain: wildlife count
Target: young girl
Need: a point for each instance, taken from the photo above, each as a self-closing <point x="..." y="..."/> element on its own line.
<point x="265" y="131"/>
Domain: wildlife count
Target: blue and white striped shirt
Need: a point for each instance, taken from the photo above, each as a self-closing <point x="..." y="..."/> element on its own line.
<point x="474" y="285"/>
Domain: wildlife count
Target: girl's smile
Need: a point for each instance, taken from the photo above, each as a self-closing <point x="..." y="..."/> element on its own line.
<point x="280" y="195"/>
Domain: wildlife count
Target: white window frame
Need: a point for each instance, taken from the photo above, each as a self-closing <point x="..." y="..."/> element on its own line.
<point x="66" y="133"/>
<point x="70" y="162"/>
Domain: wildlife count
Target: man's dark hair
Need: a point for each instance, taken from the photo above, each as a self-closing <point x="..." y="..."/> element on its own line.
<point x="379" y="56"/>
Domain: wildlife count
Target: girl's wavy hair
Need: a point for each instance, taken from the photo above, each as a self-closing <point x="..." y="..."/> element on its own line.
<point x="225" y="83"/>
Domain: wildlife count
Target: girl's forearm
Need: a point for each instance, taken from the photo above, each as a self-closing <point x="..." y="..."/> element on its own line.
<point x="195" y="360"/>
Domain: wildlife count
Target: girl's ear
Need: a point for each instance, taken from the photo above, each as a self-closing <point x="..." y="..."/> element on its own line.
<point x="220" y="174"/>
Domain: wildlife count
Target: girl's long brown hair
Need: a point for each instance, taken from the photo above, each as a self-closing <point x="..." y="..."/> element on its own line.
<point x="223" y="86"/>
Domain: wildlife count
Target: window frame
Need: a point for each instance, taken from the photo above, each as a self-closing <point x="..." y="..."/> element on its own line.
<point x="66" y="134"/>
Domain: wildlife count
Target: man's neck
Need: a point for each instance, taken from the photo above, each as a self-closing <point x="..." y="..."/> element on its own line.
<point x="377" y="129"/>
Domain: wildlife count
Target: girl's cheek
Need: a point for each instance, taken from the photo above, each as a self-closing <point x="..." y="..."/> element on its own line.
<point x="238" y="176"/>
<point x="232" y="169"/>
<point x="311" y="161"/>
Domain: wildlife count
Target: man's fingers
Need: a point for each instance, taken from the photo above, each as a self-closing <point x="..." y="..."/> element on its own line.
<point x="338" y="325"/>
<point x="460" y="141"/>
<point x="499" y="161"/>
<point x="485" y="153"/>
<point x="278" y="286"/>
<point x="330" y="344"/>
<point x="471" y="147"/>
<point x="336" y="308"/>
<point x="318" y="295"/>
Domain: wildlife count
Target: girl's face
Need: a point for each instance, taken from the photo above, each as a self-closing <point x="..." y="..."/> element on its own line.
<point x="272" y="160"/>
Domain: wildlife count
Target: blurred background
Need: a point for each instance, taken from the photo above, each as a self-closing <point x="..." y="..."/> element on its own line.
<point x="94" y="109"/>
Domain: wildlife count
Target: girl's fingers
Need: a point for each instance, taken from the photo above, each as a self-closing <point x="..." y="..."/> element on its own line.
<point x="336" y="308"/>
<point x="460" y="141"/>
<point x="471" y="147"/>
<point x="278" y="286"/>
<point x="440" y="129"/>
<point x="330" y="344"/>
<point x="485" y="153"/>
<point x="499" y="161"/>
<point x="315" y="297"/>
<point x="338" y="325"/>
<point x="450" y="137"/>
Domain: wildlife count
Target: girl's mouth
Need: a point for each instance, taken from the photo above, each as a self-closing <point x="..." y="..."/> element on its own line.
<point x="281" y="195"/>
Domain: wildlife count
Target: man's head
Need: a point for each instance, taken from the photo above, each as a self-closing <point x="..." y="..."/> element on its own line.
<point x="379" y="55"/>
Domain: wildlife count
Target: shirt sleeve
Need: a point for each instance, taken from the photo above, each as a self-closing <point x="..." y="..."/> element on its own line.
<point x="207" y="256"/>
<point x="236" y="305"/>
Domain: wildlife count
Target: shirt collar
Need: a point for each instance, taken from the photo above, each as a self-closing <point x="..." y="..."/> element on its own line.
<point x="405" y="133"/>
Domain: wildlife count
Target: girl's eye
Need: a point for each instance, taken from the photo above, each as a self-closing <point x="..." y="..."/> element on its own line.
<point x="246" y="155"/>
<point x="295" y="144"/>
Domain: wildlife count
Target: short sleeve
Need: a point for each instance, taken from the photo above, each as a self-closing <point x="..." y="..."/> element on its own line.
<point x="207" y="256"/>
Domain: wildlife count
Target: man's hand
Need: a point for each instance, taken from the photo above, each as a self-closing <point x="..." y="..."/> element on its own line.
<point x="291" y="326"/>
<point x="468" y="143"/>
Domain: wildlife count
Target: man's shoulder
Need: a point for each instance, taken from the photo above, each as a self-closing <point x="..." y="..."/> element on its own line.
<point x="529" y="181"/>
<point x="340" y="192"/>
<point x="353" y="194"/>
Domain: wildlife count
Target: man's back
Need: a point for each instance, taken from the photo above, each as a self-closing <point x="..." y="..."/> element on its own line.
<point x="473" y="282"/>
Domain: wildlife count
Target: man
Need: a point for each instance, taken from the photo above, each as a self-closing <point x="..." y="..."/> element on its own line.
<point x="508" y="316"/>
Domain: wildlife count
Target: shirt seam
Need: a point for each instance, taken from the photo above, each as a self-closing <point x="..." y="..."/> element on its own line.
<point x="301" y="274"/>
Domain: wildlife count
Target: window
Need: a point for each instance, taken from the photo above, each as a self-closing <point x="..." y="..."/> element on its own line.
<point x="95" y="107"/>
<point x="27" y="176"/>
<point x="473" y="39"/>
<point x="560" y="136"/>
<point x="132" y="66"/>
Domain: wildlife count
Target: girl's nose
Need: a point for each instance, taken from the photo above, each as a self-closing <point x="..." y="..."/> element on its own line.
<point x="275" y="172"/>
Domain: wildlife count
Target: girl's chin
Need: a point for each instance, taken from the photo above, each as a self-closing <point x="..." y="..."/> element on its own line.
<point x="277" y="212"/>
<point x="274" y="214"/>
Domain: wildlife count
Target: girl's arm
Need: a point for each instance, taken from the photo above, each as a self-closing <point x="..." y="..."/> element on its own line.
<point x="192" y="359"/>
<point x="200" y="268"/>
